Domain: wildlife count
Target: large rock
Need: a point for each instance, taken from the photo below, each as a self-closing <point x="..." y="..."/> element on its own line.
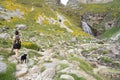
<point x="66" y="77"/>
<point x="21" y="27"/>
<point x="4" y="36"/>
<point x="1" y="58"/>
<point x="4" y="29"/>
<point x="31" y="62"/>
<point x="104" y="20"/>
<point x="74" y="4"/>
<point x="91" y="1"/>
<point x="48" y="74"/>
<point x="7" y="14"/>
<point x="109" y="74"/>
<point x="3" y="67"/>
<point x="34" y="69"/>
<point x="21" y="70"/>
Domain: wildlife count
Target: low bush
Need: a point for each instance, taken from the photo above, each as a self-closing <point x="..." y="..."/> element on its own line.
<point x="30" y="45"/>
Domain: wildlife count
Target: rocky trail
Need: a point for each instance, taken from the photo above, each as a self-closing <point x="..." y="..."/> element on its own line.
<point x="57" y="61"/>
<point x="33" y="71"/>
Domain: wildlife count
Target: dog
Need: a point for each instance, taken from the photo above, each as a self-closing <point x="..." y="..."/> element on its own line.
<point x="23" y="58"/>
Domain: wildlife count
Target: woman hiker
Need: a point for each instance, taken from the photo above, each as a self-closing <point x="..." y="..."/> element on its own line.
<point x="16" y="43"/>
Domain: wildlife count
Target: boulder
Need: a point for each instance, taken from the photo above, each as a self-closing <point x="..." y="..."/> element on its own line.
<point x="48" y="74"/>
<point x="109" y="74"/>
<point x="1" y="58"/>
<point x="34" y="69"/>
<point x="21" y="70"/>
<point x="4" y="36"/>
<point x="30" y="62"/>
<point x="21" y="27"/>
<point x="4" y="29"/>
<point x="66" y="77"/>
<point x="3" y="67"/>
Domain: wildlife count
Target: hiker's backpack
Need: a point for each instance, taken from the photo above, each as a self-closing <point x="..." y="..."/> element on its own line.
<point x="17" y="40"/>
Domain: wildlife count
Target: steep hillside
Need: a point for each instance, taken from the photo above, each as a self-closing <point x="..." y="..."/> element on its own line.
<point x="100" y="17"/>
<point x="56" y="46"/>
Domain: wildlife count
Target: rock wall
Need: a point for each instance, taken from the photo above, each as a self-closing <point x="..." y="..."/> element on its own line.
<point x="100" y="22"/>
<point x="76" y="2"/>
<point x="94" y="1"/>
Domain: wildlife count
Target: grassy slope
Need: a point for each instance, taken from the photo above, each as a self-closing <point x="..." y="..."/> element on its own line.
<point x="34" y="28"/>
<point x="111" y="8"/>
<point x="111" y="32"/>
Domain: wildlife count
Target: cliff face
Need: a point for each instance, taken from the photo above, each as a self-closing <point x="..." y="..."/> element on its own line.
<point x="94" y="1"/>
<point x="88" y="1"/>
<point x="74" y="4"/>
<point x="100" y="22"/>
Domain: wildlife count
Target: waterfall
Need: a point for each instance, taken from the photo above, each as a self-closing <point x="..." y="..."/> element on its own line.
<point x="86" y="28"/>
<point x="64" y="2"/>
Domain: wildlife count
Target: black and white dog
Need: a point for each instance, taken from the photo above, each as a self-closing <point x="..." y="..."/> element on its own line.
<point x="23" y="58"/>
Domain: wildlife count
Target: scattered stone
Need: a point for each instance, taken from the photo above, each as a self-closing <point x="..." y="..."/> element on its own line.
<point x="34" y="69"/>
<point x="21" y="27"/>
<point x="30" y="62"/>
<point x="7" y="14"/>
<point x="33" y="39"/>
<point x="42" y="35"/>
<point x="21" y="70"/>
<point x="40" y="20"/>
<point x="4" y="29"/>
<point x="93" y="64"/>
<point x="109" y="74"/>
<point x="1" y="58"/>
<point x="66" y="77"/>
<point x="3" y="67"/>
<point x="4" y="36"/>
<point x="48" y="74"/>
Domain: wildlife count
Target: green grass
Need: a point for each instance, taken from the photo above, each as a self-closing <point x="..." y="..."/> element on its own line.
<point x="77" y="78"/>
<point x="6" y="53"/>
<point x="8" y="75"/>
<point x="106" y="59"/>
<point x="110" y="32"/>
<point x="62" y="66"/>
<point x="86" y="67"/>
<point x="5" y="43"/>
<point x="57" y="76"/>
<point x="34" y="53"/>
<point x="43" y="69"/>
<point x="105" y="52"/>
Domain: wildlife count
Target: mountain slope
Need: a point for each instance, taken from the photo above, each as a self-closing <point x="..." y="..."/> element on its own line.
<point x="57" y="48"/>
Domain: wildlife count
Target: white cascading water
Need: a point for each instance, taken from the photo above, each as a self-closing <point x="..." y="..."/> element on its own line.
<point x="64" y="2"/>
<point x="86" y="28"/>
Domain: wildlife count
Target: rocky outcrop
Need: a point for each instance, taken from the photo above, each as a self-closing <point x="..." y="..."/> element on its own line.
<point x="109" y="74"/>
<point x="21" y="27"/>
<point x="66" y="77"/>
<point x="89" y="1"/>
<point x="48" y="74"/>
<point x="21" y="70"/>
<point x="108" y="55"/>
<point x="94" y="1"/>
<point x="100" y="22"/>
<point x="6" y="14"/>
<point x="4" y="36"/>
<point x="74" y="4"/>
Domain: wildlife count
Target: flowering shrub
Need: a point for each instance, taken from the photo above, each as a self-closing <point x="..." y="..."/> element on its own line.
<point x="30" y="45"/>
<point x="10" y="5"/>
